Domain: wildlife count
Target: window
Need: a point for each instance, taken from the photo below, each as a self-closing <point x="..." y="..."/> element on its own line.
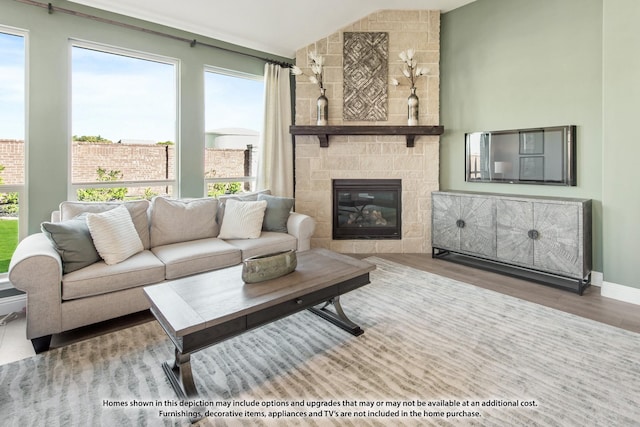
<point x="124" y="115"/>
<point x="233" y="120"/>
<point x="12" y="143"/>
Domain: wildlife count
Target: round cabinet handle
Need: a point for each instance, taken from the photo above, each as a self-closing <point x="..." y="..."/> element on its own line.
<point x="533" y="234"/>
<point x="298" y="301"/>
<point x="460" y="223"/>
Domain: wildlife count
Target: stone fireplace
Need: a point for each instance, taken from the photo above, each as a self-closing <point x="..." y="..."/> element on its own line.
<point x="371" y="157"/>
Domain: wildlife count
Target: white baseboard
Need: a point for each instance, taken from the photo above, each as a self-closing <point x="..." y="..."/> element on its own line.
<point x="597" y="278"/>
<point x="13" y="304"/>
<point x="620" y="292"/>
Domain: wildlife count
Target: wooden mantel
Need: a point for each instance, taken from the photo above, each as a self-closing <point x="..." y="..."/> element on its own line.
<point x="323" y="132"/>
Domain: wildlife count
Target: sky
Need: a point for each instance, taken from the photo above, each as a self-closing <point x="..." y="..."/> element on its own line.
<point x="233" y="102"/>
<point x="12" y="93"/>
<point x="124" y="98"/>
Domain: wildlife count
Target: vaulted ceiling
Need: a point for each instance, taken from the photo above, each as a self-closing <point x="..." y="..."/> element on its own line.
<point x="278" y="27"/>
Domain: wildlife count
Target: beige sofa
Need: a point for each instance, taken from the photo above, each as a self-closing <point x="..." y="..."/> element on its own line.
<point x="178" y="237"/>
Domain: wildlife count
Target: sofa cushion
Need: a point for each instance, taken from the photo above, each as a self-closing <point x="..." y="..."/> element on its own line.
<point x="114" y="235"/>
<point x="277" y="212"/>
<point x="269" y="242"/>
<point x="185" y="258"/>
<point x="181" y="220"/>
<point x="72" y="240"/>
<point x="137" y="208"/>
<point x="242" y="220"/>
<point x="99" y="278"/>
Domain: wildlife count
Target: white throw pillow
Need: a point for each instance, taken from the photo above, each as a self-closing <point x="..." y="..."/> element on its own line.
<point x="114" y="235"/>
<point x="242" y="220"/>
<point x="245" y="197"/>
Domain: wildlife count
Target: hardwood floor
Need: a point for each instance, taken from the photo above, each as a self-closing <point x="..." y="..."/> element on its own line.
<point x="590" y="305"/>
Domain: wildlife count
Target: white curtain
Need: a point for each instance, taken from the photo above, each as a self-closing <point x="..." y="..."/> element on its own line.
<point x="275" y="162"/>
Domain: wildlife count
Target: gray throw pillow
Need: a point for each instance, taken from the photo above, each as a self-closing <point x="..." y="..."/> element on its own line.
<point x="277" y="212"/>
<point x="72" y="240"/>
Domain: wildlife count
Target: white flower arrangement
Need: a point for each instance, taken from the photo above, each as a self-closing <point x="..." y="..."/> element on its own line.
<point x="316" y="63"/>
<point x="410" y="70"/>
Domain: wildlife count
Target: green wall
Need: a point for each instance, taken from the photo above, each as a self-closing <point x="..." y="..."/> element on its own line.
<point x="48" y="132"/>
<point x="509" y="64"/>
<point x="621" y="153"/>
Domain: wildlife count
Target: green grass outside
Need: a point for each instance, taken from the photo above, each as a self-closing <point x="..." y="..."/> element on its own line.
<point x="8" y="242"/>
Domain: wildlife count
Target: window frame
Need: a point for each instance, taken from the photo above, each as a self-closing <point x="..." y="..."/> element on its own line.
<point x="72" y="188"/>
<point x="229" y="73"/>
<point x="21" y="189"/>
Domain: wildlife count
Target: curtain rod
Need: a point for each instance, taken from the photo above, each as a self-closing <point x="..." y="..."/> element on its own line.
<point x="192" y="42"/>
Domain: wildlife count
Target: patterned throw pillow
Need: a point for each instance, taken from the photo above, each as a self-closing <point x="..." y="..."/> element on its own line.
<point x="242" y="220"/>
<point x="114" y="235"/>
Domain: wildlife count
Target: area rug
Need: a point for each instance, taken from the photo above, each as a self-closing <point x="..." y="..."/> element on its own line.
<point x="435" y="352"/>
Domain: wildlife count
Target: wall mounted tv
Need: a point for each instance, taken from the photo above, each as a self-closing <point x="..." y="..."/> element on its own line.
<point x="522" y="156"/>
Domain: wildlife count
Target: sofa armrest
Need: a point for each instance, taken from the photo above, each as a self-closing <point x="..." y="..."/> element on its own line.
<point x="36" y="268"/>
<point x="301" y="226"/>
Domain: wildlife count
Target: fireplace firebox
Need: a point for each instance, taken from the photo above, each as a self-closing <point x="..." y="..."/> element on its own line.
<point x="367" y="209"/>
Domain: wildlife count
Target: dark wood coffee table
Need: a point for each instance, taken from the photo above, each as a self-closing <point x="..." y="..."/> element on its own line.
<point x="202" y="310"/>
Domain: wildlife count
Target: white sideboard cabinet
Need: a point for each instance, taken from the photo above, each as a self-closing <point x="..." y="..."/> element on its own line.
<point x="547" y="235"/>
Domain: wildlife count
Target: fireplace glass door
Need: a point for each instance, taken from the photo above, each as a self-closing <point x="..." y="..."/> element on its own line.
<point x="367" y="208"/>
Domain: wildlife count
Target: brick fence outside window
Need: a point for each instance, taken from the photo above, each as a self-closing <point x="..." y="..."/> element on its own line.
<point x="137" y="162"/>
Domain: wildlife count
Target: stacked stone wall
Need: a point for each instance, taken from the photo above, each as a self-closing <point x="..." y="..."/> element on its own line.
<point x="374" y="157"/>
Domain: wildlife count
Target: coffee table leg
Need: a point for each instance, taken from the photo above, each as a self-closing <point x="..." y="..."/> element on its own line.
<point x="338" y="318"/>
<point x="179" y="373"/>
